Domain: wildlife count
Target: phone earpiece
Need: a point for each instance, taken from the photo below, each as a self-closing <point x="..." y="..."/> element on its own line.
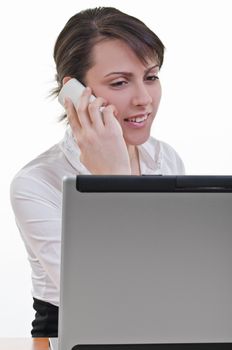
<point x="73" y="90"/>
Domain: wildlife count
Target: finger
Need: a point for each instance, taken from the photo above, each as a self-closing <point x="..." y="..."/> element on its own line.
<point x="95" y="111"/>
<point x="82" y="108"/>
<point x="109" y="116"/>
<point x="72" y="116"/>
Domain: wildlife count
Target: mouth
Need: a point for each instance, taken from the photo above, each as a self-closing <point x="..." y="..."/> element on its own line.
<point x="137" y="121"/>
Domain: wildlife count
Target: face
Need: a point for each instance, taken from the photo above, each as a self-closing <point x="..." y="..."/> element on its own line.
<point x="132" y="87"/>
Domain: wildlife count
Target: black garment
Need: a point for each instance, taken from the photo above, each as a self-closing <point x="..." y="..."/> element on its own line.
<point x="45" y="323"/>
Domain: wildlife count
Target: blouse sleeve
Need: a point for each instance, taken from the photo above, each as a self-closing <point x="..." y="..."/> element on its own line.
<point x="37" y="208"/>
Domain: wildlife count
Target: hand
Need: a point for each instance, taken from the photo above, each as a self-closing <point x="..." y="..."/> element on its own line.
<point x="98" y="135"/>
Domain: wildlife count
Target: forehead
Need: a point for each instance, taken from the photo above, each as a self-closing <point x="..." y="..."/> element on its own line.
<point x="114" y="53"/>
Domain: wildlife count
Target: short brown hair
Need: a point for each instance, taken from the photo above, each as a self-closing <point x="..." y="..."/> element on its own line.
<point x="73" y="47"/>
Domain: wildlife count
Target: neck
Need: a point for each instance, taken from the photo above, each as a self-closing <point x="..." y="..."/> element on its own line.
<point x="134" y="159"/>
<point x="132" y="151"/>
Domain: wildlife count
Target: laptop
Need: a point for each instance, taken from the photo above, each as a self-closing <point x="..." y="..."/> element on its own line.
<point x="146" y="263"/>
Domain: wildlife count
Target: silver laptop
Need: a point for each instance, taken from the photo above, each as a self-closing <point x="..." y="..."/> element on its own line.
<point x="146" y="262"/>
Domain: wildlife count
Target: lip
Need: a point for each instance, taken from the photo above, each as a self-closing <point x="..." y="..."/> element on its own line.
<point x="139" y="115"/>
<point x="134" y="125"/>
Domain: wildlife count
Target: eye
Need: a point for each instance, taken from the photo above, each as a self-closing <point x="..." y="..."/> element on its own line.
<point x="119" y="83"/>
<point x="152" y="77"/>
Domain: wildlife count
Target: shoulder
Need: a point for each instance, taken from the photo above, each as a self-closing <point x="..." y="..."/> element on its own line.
<point x="169" y="160"/>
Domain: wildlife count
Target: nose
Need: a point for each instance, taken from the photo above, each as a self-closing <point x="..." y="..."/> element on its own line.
<point x="141" y="95"/>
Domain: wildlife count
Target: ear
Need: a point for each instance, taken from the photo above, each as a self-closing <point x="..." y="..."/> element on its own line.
<point x="65" y="80"/>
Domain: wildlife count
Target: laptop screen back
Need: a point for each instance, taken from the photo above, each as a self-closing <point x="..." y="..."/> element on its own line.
<point x="145" y="267"/>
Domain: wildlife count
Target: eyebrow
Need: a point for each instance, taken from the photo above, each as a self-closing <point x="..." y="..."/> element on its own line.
<point x="130" y="74"/>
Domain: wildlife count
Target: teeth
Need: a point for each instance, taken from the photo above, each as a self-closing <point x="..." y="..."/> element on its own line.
<point x="138" y="119"/>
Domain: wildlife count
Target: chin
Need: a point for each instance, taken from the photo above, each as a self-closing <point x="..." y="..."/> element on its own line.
<point x="136" y="140"/>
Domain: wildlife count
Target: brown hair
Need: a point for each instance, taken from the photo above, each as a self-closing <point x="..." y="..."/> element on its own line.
<point x="73" y="47"/>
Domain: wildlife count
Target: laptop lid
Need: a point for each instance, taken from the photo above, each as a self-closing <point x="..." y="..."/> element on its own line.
<point x="146" y="260"/>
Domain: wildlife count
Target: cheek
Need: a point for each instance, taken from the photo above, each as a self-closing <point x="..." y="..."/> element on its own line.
<point x="121" y="104"/>
<point x="157" y="94"/>
<point x="121" y="101"/>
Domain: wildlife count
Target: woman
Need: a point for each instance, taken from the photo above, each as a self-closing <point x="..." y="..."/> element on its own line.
<point x="118" y="58"/>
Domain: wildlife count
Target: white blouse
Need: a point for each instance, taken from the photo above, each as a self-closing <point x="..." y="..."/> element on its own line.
<point x="36" y="196"/>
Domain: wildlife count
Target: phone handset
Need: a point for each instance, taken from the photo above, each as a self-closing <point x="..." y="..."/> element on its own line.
<point x="73" y="90"/>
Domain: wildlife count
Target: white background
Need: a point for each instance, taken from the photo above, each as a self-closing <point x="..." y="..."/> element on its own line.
<point x="194" y="116"/>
